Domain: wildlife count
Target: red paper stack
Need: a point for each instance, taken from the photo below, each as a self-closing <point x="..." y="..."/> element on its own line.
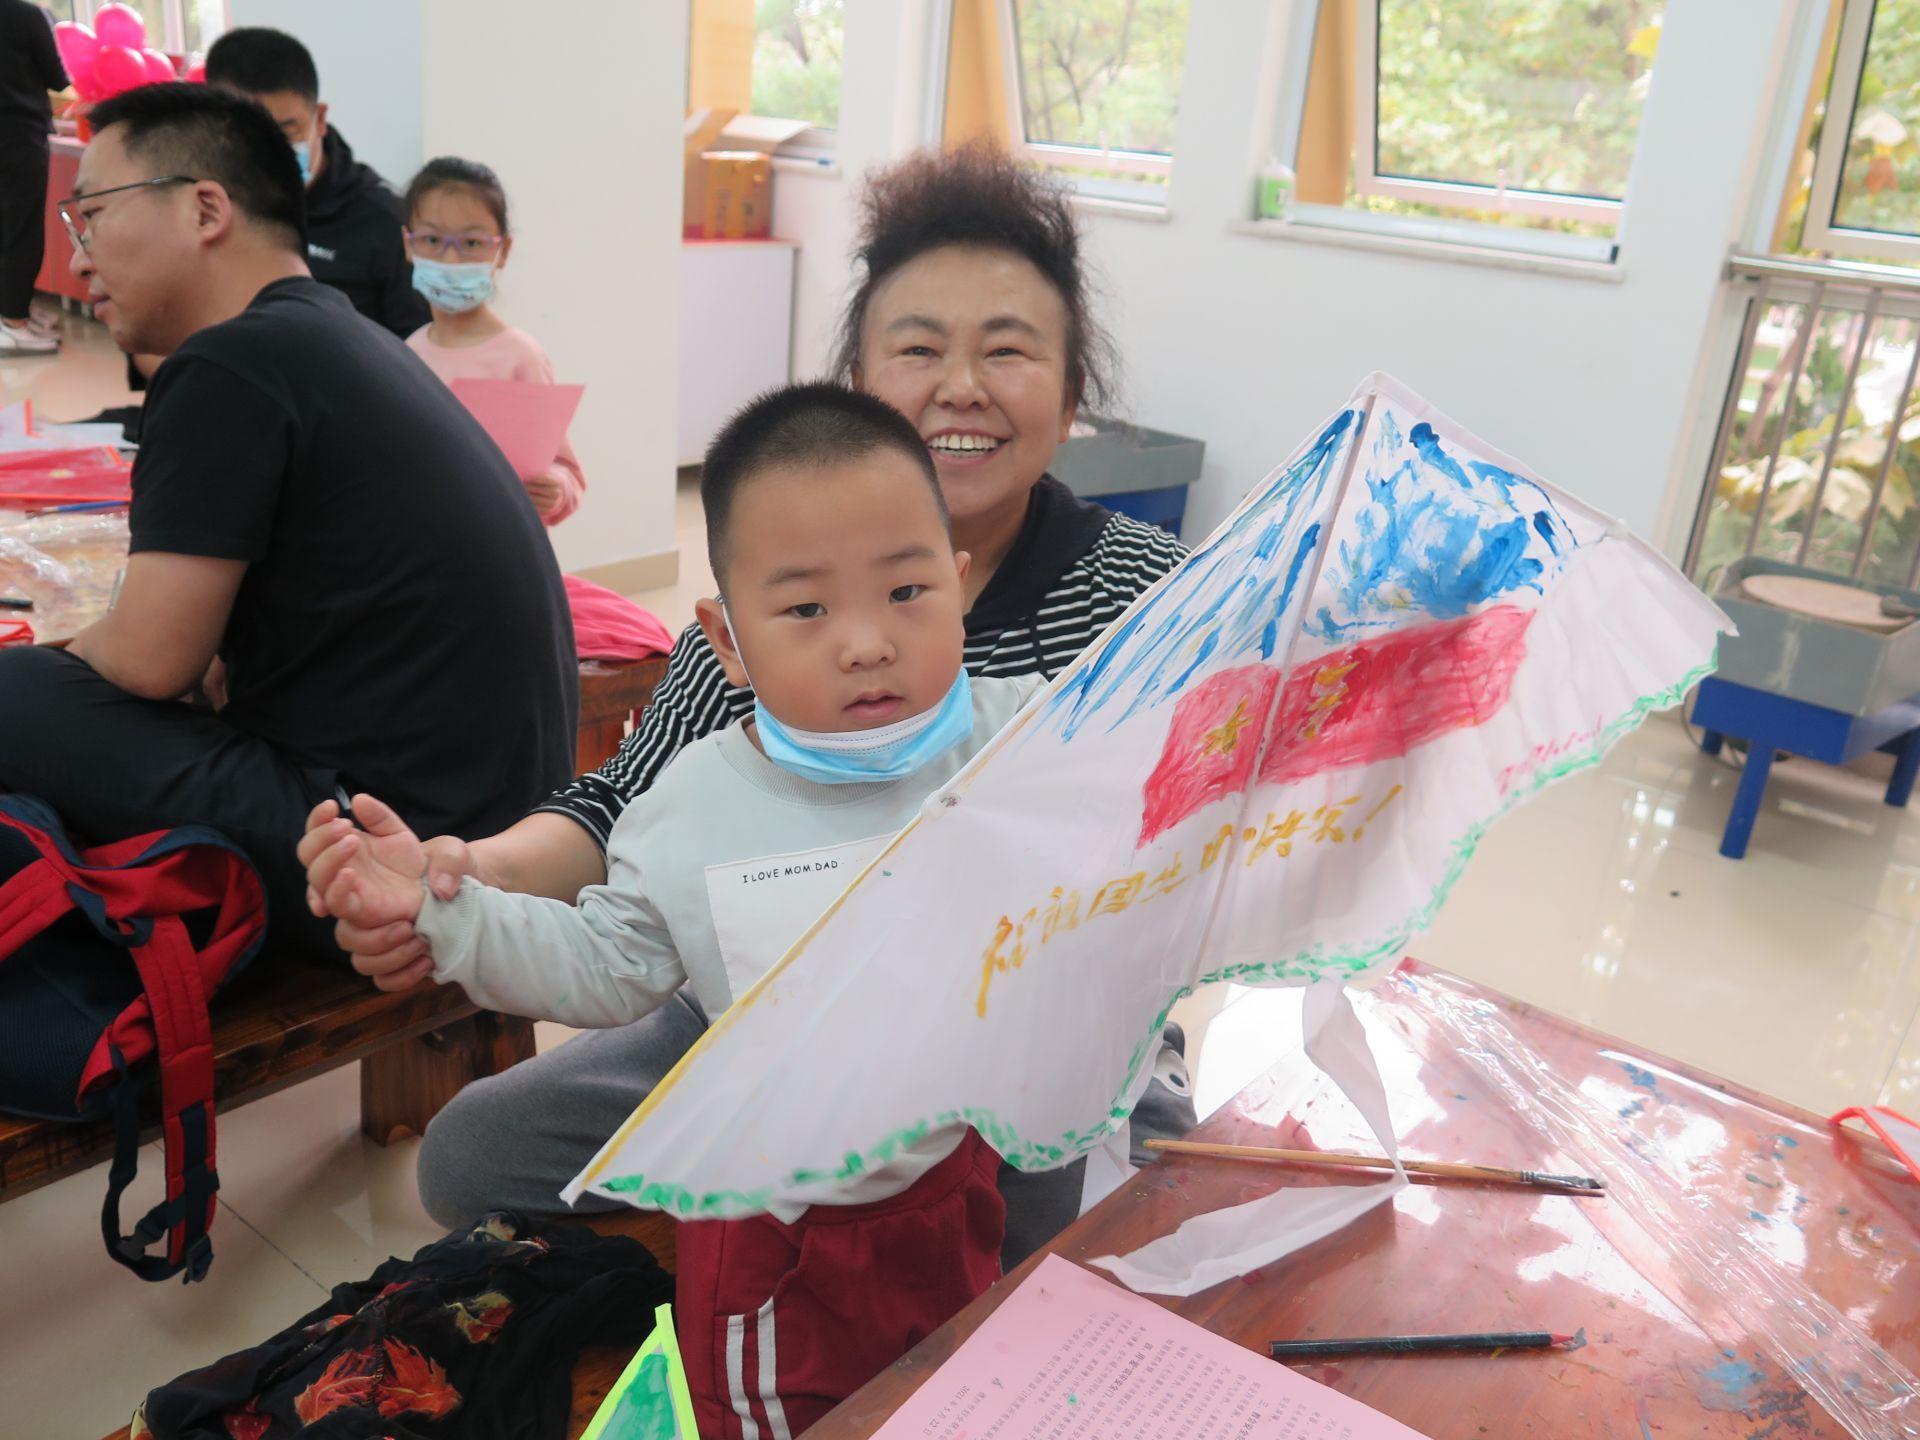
<point x="95" y="473"/>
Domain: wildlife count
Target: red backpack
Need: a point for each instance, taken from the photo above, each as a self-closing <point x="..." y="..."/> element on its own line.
<point x="108" y="957"/>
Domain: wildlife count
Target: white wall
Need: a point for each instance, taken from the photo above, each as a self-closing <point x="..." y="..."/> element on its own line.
<point x="1247" y="342"/>
<point x="368" y="54"/>
<point x="593" y="172"/>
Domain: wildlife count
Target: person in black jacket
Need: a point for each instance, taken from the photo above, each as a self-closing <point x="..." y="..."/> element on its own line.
<point x="29" y="68"/>
<point x="354" y="218"/>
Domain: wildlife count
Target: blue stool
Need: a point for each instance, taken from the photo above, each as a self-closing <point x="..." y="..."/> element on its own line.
<point x="1770" y="722"/>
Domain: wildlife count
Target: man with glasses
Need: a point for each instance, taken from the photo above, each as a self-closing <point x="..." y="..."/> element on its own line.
<point x="354" y="217"/>
<point x="328" y="553"/>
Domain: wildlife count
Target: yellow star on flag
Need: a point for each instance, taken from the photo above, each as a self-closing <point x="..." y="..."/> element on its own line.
<point x="1225" y="738"/>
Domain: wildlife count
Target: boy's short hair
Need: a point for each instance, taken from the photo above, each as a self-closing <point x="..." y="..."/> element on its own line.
<point x="258" y="61"/>
<point x="814" y="424"/>
<point x="214" y="135"/>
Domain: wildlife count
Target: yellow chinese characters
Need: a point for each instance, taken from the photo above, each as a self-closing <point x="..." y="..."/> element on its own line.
<point x="1014" y="941"/>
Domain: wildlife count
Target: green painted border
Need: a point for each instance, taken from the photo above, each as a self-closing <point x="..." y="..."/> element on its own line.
<point x="1309" y="966"/>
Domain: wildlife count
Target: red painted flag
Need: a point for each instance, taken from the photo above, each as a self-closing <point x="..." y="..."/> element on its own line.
<point x="1210" y="747"/>
<point x="1378" y="700"/>
<point x="1372" y="701"/>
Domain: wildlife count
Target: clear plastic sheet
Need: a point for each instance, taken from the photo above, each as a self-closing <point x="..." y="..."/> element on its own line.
<point x="1738" y="1210"/>
<point x="66" y="564"/>
<point x="31" y="569"/>
<point x="100" y="530"/>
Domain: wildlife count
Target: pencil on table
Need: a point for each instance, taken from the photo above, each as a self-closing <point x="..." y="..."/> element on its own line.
<point x="1423" y="1345"/>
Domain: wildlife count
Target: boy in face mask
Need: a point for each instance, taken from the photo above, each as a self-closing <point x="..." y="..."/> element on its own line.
<point x="841" y="606"/>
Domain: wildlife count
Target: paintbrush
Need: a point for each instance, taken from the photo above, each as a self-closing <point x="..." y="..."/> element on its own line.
<point x="1584" y="1184"/>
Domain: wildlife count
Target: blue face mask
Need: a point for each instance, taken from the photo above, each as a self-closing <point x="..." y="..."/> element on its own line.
<point x="453" y="288"/>
<point x="856" y="757"/>
<point x="303" y="157"/>
<point x="864" y="756"/>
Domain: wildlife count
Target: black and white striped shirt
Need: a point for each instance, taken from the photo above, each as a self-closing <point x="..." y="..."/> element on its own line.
<point x="1074" y="569"/>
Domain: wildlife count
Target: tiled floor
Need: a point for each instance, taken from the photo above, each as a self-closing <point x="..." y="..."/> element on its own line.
<point x="86" y="377"/>
<point x="1796" y="970"/>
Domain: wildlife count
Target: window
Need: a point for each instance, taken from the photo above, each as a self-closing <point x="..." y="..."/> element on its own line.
<point x="796" y="60"/>
<point x="205" y="22"/>
<point x="178" y="27"/>
<point x="1505" y="123"/>
<point x="1097" y="89"/>
<point x="1864" y="196"/>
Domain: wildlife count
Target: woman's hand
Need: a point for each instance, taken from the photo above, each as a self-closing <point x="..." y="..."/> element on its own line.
<point x="369" y="878"/>
<point x="397" y="944"/>
<point x="541" y="855"/>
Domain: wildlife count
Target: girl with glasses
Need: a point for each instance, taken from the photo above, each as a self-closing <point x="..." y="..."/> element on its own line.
<point x="457" y="238"/>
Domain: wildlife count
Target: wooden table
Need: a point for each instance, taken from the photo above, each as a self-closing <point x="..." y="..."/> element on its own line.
<point x="1665" y="1355"/>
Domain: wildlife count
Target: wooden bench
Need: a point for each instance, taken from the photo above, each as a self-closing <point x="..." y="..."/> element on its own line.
<point x="610" y="696"/>
<point x="288" y="1022"/>
<point x="285" y="1022"/>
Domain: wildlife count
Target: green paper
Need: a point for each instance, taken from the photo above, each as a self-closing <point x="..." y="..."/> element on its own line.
<point x="650" y="1401"/>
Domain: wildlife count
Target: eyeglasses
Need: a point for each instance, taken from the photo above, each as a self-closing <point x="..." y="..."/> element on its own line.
<point x="77" y="224"/>
<point x="432" y="245"/>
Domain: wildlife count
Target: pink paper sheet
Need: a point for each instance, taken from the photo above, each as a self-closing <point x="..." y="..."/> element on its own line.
<point x="1070" y="1355"/>
<point x="526" y="420"/>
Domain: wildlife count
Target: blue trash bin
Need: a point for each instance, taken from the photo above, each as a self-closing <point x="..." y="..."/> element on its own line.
<point x="1140" y="472"/>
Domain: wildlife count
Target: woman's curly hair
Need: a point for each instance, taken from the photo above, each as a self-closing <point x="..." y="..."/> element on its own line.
<point x="979" y="196"/>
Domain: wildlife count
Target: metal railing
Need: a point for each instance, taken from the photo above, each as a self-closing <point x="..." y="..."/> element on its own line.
<point x="1821" y="397"/>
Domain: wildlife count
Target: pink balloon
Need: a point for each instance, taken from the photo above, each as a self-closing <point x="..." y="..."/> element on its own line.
<point x="76" y="44"/>
<point x="197" y="73"/>
<point x="120" y="25"/>
<point x="117" y="68"/>
<point x="81" y="74"/>
<point x="160" y="69"/>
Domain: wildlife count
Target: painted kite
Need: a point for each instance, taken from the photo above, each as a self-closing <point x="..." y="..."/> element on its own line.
<point x="1271" y="770"/>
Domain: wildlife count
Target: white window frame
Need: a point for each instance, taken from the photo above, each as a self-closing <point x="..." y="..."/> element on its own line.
<point x="1823" y="198"/>
<point x="1462" y="194"/>
<point x="1282" y="114"/>
<point x="1070" y="157"/>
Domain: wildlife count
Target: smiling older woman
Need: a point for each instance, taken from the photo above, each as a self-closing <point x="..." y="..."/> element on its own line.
<point x="972" y="318"/>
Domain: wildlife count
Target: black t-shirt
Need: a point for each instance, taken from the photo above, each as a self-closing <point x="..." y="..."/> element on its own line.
<point x="402" y="620"/>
